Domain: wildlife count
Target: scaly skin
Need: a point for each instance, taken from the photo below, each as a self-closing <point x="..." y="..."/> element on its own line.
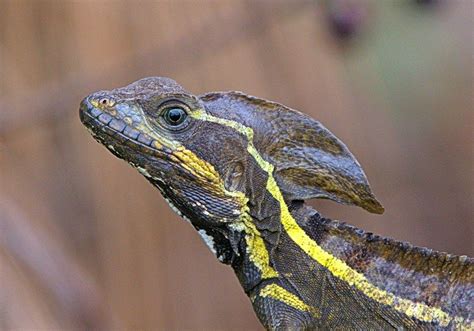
<point x="239" y="168"/>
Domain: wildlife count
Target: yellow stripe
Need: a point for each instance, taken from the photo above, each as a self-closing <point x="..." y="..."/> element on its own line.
<point x="258" y="253"/>
<point x="198" y="167"/>
<point x="277" y="292"/>
<point x="335" y="265"/>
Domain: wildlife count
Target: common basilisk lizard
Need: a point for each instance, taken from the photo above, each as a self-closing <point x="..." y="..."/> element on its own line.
<point x="239" y="168"/>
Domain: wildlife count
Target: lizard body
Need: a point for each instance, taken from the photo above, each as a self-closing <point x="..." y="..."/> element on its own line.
<point x="239" y="169"/>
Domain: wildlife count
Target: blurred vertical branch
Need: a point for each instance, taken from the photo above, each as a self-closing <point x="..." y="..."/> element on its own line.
<point x="57" y="273"/>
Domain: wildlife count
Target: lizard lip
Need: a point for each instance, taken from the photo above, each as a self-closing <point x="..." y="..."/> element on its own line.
<point x="85" y="107"/>
<point x="87" y="112"/>
<point x="101" y="123"/>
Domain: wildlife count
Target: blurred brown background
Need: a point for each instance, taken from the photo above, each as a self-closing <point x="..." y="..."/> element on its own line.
<point x="86" y="242"/>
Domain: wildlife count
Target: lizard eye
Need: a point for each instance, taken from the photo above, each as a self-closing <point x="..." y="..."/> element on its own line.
<point x="106" y="102"/>
<point x="174" y="115"/>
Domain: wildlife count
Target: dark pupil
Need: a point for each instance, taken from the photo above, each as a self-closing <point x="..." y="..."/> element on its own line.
<point x="175" y="116"/>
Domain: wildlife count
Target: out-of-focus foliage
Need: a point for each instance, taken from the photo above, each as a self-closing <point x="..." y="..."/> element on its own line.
<point x="85" y="242"/>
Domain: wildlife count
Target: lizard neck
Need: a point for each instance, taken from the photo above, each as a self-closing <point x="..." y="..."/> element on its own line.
<point x="321" y="262"/>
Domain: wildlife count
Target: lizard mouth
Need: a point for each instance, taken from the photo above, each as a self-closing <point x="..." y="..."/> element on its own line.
<point x="116" y="134"/>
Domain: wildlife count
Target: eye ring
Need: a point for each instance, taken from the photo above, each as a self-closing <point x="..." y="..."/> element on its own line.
<point x="174" y="114"/>
<point x="106" y="102"/>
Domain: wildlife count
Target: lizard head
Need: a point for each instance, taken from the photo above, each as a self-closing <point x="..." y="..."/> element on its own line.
<point x="212" y="155"/>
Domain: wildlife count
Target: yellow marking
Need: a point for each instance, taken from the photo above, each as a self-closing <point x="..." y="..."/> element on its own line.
<point x="277" y="292"/>
<point x="206" y="174"/>
<point x="258" y="253"/>
<point x="198" y="167"/>
<point x="94" y="103"/>
<point x="157" y="145"/>
<point x="335" y="265"/>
